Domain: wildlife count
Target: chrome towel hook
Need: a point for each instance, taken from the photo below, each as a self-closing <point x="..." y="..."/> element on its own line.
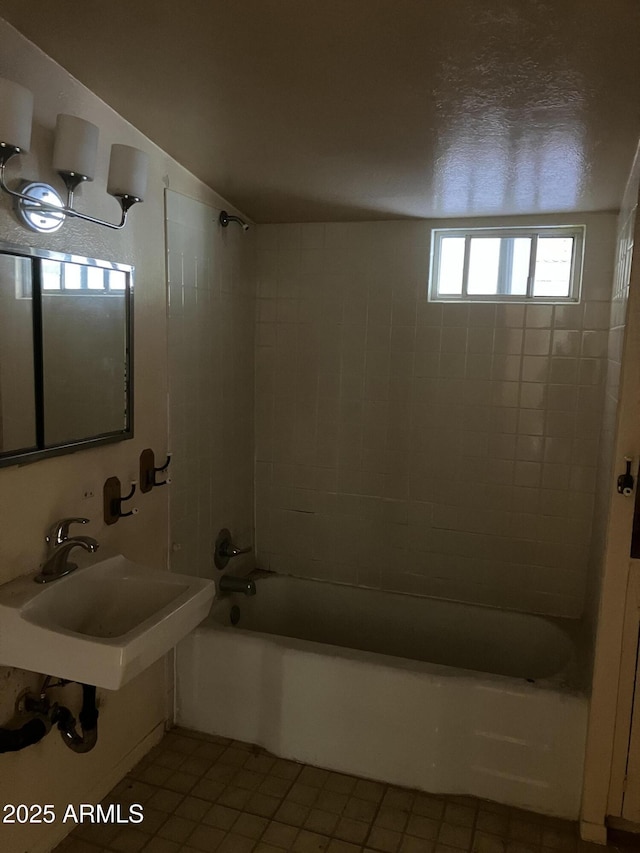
<point x="225" y="218"/>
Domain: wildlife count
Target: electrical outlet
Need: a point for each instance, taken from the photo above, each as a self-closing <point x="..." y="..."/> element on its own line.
<point x="87" y="494"/>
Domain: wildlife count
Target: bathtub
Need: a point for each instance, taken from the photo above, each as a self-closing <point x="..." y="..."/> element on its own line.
<point x="423" y="693"/>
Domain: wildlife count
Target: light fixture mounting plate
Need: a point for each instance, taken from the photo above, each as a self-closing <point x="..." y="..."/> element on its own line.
<point x="34" y="216"/>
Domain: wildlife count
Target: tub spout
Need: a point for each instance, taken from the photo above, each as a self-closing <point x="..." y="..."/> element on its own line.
<point x="230" y="583"/>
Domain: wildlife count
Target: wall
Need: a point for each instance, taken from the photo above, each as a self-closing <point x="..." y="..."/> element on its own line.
<point x="611" y="563"/>
<point x="32" y="497"/>
<point x="445" y="450"/>
<point x="610" y="464"/>
<point x="211" y="333"/>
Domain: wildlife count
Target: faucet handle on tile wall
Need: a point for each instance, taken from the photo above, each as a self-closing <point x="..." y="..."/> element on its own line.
<point x="59" y="531"/>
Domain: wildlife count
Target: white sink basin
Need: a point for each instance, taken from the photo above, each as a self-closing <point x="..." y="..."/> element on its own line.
<point x="102" y="624"/>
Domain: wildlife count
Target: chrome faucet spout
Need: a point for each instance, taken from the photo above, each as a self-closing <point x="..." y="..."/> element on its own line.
<point x="57" y="565"/>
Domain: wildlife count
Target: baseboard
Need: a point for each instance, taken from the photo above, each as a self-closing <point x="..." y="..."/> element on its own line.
<point x="106" y="782"/>
<point x="596" y="833"/>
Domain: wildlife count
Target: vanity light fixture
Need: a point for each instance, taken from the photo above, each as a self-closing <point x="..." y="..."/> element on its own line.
<point x="39" y="205"/>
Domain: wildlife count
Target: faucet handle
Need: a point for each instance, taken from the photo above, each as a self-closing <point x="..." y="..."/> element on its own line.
<point x="59" y="531"/>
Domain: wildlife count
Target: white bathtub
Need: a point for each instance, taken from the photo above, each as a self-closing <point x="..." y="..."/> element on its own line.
<point x="428" y="694"/>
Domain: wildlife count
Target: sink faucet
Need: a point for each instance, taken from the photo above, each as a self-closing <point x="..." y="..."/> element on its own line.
<point x="60" y="544"/>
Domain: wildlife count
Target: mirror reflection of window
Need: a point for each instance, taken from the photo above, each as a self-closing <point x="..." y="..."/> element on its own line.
<point x="85" y="353"/>
<point x="70" y="385"/>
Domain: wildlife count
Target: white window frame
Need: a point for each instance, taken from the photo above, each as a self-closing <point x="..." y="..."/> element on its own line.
<point x="577" y="232"/>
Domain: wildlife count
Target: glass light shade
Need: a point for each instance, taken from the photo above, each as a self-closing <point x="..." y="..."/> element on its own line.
<point x="127" y="172"/>
<point x="76" y="146"/>
<point x="16" y="113"/>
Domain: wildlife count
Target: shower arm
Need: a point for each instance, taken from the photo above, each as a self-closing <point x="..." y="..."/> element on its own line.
<point x="225" y="218"/>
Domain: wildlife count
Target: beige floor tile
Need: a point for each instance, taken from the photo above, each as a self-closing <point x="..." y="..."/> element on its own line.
<point x="521" y="847"/>
<point x="280" y="834"/>
<point x="313" y="776"/>
<point x="459" y="814"/>
<point x="101" y="834"/>
<point x="366" y="790"/>
<point x="165" y="801"/>
<point x="560" y="839"/>
<point x="304" y="795"/>
<point x="78" y="845"/>
<point x="236" y="844"/>
<point x="495" y="824"/>
<point x="260" y="763"/>
<point x="292" y="813"/>
<point x="337" y="846"/>
<point x="210" y="751"/>
<point x="179" y="743"/>
<point x="321" y="821"/>
<point x="331" y="801"/>
<point x="485" y="843"/>
<point x="196" y="765"/>
<point x="164" y="845"/>
<point x="208" y="789"/>
<point x="398" y="798"/>
<point x="391" y="818"/>
<point x="206" y="838"/>
<point x="410" y="844"/>
<point x="177" y="828"/>
<point x="234" y="756"/>
<point x="192" y="808"/>
<point x="204" y="794"/>
<point x="360" y="809"/>
<point x="340" y="783"/>
<point x="429" y="805"/>
<point x="263" y="804"/>
<point x="129" y="841"/>
<point x="223" y="773"/>
<point x="286" y="769"/>
<point x="156" y="775"/>
<point x="170" y="759"/>
<point x="455" y="836"/>
<point x="248" y="779"/>
<point x="310" y="842"/>
<point x="383" y="839"/>
<point x="351" y="830"/>
<point x="221" y="816"/>
<point x="249" y="825"/>
<point x="422" y="827"/>
<point x="181" y="782"/>
<point x="525" y="831"/>
<point x="234" y="798"/>
<point x="274" y="786"/>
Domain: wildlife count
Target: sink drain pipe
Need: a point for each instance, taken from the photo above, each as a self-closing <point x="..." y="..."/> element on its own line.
<point x="13" y="740"/>
<point x="88" y="718"/>
<point x="48" y="715"/>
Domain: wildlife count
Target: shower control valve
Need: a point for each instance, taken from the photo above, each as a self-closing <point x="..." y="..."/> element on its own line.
<point x="626" y="481"/>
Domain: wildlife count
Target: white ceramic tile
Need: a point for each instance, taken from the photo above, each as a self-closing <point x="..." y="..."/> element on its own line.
<point x="470" y="410"/>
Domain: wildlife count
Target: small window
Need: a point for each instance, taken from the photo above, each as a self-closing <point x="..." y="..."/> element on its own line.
<point x="506" y="264"/>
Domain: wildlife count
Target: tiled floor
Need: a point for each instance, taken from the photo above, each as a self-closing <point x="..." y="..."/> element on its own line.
<point x="202" y="794"/>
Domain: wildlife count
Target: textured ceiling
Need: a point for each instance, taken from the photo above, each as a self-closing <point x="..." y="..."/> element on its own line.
<point x="302" y="110"/>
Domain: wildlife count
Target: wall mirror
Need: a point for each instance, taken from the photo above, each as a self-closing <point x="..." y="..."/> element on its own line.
<point x="66" y="361"/>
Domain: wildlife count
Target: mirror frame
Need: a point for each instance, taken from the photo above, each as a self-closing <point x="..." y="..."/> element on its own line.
<point x="41" y="451"/>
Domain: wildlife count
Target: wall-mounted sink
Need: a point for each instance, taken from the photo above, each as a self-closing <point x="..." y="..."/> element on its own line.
<point x="102" y="624"/>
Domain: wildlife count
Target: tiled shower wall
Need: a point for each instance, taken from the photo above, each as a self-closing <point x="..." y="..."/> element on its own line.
<point x="211" y="337"/>
<point x="446" y="450"/>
